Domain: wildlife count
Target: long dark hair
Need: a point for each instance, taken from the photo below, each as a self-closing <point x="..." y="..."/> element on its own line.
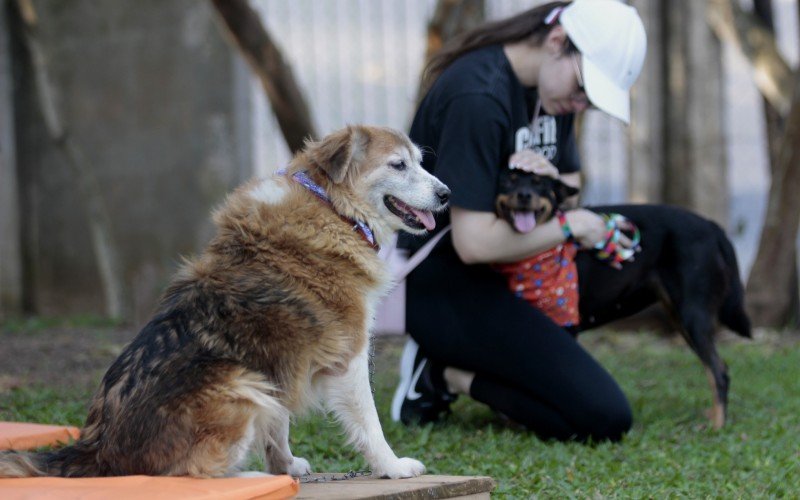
<point x="526" y="25"/>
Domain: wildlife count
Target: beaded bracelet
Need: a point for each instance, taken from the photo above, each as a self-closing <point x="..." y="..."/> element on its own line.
<point x="562" y="221"/>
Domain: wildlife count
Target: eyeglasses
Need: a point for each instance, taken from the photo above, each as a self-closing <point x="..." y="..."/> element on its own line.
<point x="578" y="74"/>
<point x="580" y="96"/>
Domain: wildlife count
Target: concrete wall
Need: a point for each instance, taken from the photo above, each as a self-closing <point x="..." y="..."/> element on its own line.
<point x="152" y="94"/>
<point x="10" y="257"/>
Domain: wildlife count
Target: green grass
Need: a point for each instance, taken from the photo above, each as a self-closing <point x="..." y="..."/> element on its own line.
<point x="670" y="452"/>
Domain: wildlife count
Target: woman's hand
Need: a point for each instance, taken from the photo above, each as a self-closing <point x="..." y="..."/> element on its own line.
<point x="590" y="229"/>
<point x="530" y="161"/>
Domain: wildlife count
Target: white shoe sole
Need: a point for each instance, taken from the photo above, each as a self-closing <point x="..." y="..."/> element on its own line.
<point x="406" y="374"/>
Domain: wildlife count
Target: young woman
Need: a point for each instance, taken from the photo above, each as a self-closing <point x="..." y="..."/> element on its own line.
<point x="504" y="96"/>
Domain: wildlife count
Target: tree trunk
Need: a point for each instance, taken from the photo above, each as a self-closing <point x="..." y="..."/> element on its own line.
<point x="646" y="132"/>
<point x="772" y="75"/>
<point x="450" y="19"/>
<point x="762" y="9"/>
<point x="772" y="288"/>
<point x="10" y="244"/>
<point x="775" y="125"/>
<point x="695" y="165"/>
<point x="106" y="253"/>
<point x="290" y="108"/>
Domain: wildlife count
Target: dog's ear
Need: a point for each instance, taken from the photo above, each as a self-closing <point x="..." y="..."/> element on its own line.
<point x="336" y="153"/>
<point x="563" y="191"/>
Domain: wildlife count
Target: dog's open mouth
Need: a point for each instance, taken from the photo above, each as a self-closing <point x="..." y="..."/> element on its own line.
<point x="411" y="217"/>
<point x="524" y="221"/>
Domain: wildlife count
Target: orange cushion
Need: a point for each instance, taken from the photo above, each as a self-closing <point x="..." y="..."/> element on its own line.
<point x="23" y="436"/>
<point x="151" y="488"/>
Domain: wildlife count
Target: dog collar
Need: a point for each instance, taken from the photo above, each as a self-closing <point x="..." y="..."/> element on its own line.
<point x="359" y="226"/>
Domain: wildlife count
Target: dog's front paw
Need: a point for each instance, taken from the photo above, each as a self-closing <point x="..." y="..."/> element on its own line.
<point x="299" y="467"/>
<point x="401" y="467"/>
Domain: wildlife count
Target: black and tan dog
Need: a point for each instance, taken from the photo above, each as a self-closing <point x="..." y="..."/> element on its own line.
<point x="271" y="319"/>
<point x="686" y="262"/>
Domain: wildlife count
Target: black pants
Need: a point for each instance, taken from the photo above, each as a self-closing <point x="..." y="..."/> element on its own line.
<point x="526" y="366"/>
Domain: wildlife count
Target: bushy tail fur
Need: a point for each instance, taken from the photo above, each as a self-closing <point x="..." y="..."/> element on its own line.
<point x="732" y="313"/>
<point x="71" y="461"/>
<point x="21" y="464"/>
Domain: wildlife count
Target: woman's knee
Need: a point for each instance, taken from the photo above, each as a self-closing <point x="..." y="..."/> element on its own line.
<point x="609" y="422"/>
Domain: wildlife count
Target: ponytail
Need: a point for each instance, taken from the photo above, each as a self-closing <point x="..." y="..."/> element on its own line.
<point x="533" y="24"/>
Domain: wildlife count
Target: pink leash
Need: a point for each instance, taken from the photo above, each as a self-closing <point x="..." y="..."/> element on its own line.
<point x="406" y="267"/>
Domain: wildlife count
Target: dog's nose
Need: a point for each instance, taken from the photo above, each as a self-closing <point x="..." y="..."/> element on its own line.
<point x="444" y="195"/>
<point x="523" y="198"/>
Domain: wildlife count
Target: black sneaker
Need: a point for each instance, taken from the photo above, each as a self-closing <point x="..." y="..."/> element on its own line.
<point x="422" y="395"/>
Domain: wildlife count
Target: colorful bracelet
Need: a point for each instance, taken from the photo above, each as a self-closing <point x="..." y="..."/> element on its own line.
<point x="562" y="221"/>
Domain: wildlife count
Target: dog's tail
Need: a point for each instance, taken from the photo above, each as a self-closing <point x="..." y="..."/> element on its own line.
<point x="22" y="464"/>
<point x="732" y="313"/>
<point x="71" y="461"/>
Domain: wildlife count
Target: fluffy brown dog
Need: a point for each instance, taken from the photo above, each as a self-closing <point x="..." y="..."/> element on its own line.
<point x="271" y="319"/>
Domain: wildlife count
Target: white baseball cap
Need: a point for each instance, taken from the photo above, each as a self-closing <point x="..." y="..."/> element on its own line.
<point x="610" y="36"/>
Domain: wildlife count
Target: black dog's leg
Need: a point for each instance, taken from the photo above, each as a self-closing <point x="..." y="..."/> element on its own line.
<point x="698" y="329"/>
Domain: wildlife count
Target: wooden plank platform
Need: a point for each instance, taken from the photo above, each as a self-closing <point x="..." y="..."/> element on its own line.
<point x="423" y="487"/>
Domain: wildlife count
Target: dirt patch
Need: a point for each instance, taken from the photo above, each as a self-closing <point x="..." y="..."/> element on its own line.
<point x="77" y="358"/>
<point x="59" y="357"/>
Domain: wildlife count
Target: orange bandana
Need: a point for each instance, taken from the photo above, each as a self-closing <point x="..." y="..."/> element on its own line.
<point x="549" y="281"/>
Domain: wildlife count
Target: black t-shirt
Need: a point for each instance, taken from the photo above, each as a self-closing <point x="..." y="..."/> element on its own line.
<point x="472" y="119"/>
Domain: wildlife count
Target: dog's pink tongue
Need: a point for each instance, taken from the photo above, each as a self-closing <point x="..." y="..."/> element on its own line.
<point x="425" y="217"/>
<point x="524" y="221"/>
